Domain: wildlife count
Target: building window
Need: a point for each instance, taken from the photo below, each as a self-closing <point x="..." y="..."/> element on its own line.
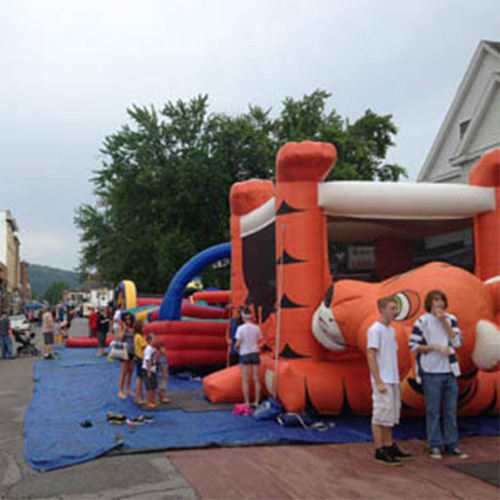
<point x="463" y="128"/>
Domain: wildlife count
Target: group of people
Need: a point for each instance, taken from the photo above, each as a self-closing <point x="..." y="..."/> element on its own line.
<point x="150" y="362"/>
<point x="433" y="340"/>
<point x="50" y="326"/>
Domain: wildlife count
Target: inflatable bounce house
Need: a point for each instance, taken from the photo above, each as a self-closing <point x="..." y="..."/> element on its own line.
<point x="313" y="355"/>
<point x="194" y="335"/>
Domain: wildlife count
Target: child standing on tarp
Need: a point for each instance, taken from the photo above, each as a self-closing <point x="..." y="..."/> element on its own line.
<point x="139" y="346"/>
<point x="162" y="373"/>
<point x="247" y="338"/>
<point x="149" y="368"/>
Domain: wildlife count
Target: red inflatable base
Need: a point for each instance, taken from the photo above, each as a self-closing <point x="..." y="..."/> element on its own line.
<point x="195" y="311"/>
<point x="195" y="358"/>
<point x="86" y="341"/>
<point x="186" y="328"/>
<point x="149" y="301"/>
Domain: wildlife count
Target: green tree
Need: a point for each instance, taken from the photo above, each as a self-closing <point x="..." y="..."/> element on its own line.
<point x="162" y="190"/>
<point x="53" y="295"/>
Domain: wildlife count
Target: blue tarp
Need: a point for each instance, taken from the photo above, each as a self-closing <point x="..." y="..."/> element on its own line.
<point x="33" y="305"/>
<point x="79" y="386"/>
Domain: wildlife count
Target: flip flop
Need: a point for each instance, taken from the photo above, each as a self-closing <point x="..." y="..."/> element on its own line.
<point x="239" y="409"/>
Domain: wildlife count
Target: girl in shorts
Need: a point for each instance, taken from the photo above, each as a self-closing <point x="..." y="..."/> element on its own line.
<point x="162" y="373"/>
<point x="139" y="346"/>
<point x="247" y="338"/>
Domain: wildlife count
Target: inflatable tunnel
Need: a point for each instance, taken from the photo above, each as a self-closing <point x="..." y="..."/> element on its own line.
<point x="170" y="308"/>
<point x="193" y="335"/>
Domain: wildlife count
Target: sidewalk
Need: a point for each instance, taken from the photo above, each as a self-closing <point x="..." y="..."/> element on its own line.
<point x="133" y="477"/>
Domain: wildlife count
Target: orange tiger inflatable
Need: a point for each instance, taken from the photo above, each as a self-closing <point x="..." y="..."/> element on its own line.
<point x="313" y="356"/>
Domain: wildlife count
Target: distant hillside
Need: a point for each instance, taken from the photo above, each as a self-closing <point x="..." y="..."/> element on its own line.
<point x="41" y="277"/>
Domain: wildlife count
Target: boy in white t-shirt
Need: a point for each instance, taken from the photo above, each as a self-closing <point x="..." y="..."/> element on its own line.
<point x="149" y="370"/>
<point x="384" y="375"/>
<point x="247" y="338"/>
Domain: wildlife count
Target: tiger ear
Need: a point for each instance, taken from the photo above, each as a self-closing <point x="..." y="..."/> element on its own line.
<point x="328" y="297"/>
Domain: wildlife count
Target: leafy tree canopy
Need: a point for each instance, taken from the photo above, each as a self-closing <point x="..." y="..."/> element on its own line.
<point x="162" y="190"/>
<point x="53" y="295"/>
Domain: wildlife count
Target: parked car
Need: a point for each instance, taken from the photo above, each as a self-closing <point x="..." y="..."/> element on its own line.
<point x="19" y="323"/>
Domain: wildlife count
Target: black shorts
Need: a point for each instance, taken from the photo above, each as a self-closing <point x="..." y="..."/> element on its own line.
<point x="150" y="382"/>
<point x="101" y="339"/>
<point x="250" y="359"/>
<point x="233" y="358"/>
<point x="139" y="370"/>
<point x="48" y="338"/>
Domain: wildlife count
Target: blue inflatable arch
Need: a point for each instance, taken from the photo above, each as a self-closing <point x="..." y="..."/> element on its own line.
<point x="170" y="308"/>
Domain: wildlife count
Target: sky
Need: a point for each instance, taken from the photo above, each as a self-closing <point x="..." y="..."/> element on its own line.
<point x="70" y="69"/>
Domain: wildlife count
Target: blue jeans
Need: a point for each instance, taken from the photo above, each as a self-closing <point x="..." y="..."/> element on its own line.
<point x="441" y="390"/>
<point x="6" y="347"/>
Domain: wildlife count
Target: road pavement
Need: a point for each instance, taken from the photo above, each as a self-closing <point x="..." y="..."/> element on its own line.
<point x="144" y="476"/>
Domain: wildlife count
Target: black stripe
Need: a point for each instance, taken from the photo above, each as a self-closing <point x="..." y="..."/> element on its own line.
<point x="453" y="322"/>
<point x="286" y="303"/>
<point x="453" y="358"/>
<point x="465" y="393"/>
<point x="468" y="376"/>
<point x="289" y="353"/>
<point x="346" y="406"/>
<point x="491" y="408"/>
<point x="470" y="397"/>
<point x="286" y="258"/>
<point x="415" y="386"/>
<point x="286" y="209"/>
<point x="309" y="408"/>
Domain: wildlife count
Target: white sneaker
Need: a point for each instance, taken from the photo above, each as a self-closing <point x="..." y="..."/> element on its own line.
<point x="435" y="453"/>
<point x="457" y="454"/>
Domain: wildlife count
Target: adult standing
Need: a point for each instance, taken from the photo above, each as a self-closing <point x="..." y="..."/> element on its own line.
<point x="48" y="326"/>
<point x="126" y="335"/>
<point x="6" y="336"/>
<point x="102" y="327"/>
<point x="232" y="326"/>
<point x="93" y="315"/>
<point x="434" y="338"/>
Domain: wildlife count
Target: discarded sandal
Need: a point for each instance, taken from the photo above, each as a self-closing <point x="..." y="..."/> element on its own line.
<point x="239" y="409"/>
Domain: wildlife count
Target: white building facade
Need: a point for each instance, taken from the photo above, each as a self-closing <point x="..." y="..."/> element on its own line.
<point x="470" y="129"/>
<point x="472" y="125"/>
<point x="10" y="286"/>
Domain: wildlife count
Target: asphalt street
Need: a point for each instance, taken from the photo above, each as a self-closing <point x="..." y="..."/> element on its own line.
<point x="139" y="476"/>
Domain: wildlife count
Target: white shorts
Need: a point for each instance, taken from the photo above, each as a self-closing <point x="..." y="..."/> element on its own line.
<point x="386" y="405"/>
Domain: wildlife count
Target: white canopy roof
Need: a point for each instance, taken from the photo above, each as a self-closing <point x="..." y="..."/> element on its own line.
<point x="365" y="211"/>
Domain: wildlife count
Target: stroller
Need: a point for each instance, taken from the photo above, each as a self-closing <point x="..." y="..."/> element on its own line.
<point x="27" y="347"/>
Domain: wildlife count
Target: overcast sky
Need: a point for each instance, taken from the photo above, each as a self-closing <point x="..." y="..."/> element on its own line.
<point x="70" y="69"/>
